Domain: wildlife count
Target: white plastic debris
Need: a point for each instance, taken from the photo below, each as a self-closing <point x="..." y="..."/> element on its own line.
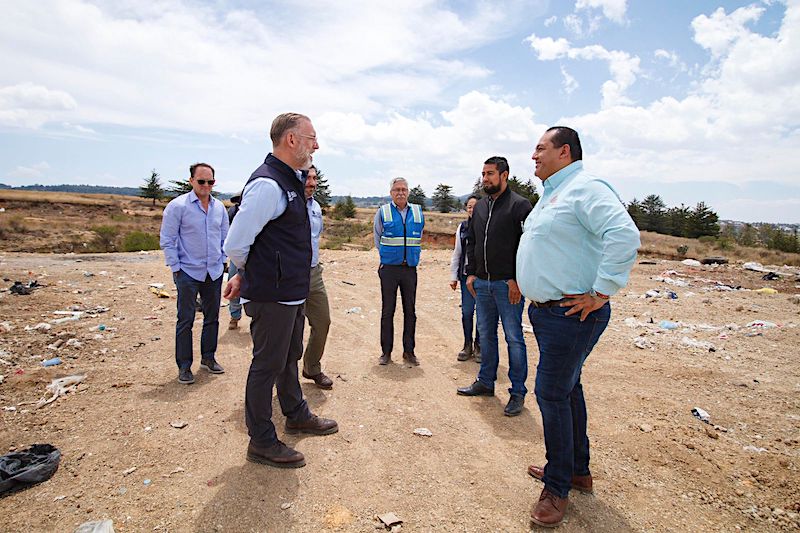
<point x="701" y="414"/>
<point x="41" y="326"/>
<point x="96" y="526"/>
<point x="703" y="345"/>
<point x="59" y="387"/>
<point x="691" y="262"/>
<point x="642" y="343"/>
<point x="755" y="267"/>
<point x="178" y="424"/>
<point x="354" y="311"/>
<point x="761" y="324"/>
<point x="752" y="448"/>
<point x="424" y="432"/>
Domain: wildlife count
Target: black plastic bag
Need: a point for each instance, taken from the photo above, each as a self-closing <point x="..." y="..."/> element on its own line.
<point x="19" y="470"/>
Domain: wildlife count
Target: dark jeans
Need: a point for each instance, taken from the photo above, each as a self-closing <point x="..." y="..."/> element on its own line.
<point x="392" y="277"/>
<point x="493" y="304"/>
<point x="234" y="305"/>
<point x="210" y="291"/>
<point x="564" y="344"/>
<point x="467" y="313"/>
<point x="277" y="332"/>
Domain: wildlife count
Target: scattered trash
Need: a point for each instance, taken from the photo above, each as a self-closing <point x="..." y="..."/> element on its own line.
<point x="701" y="414"/>
<point x="668" y="324"/>
<point x="645" y="428"/>
<point x="146" y="482"/>
<point x="751" y="448"/>
<point x="770" y="276"/>
<point x="766" y="290"/>
<point x="28" y="467"/>
<point x="59" y="387"/>
<point x="285" y="505"/>
<point x="647" y="262"/>
<point x="349" y="283"/>
<point x="129" y="471"/>
<point x="176" y="471"/>
<point x="22" y="289"/>
<point x="756" y="267"/>
<point x="389" y="519"/>
<point x="157" y="285"/>
<point x="354" y="311"/>
<point x="59" y="498"/>
<point x="691" y="262"/>
<point x="761" y="324"/>
<point x="88" y="274"/>
<point x="423" y="432"/>
<point x="161" y="293"/>
<point x="655" y="293"/>
<point x="2" y="378"/>
<point x="714" y="260"/>
<point x="41" y="326"/>
<point x="96" y="526"/>
<point x="178" y="424"/>
<point x="52" y="362"/>
<point x="72" y="316"/>
<point x="527" y="329"/>
<point x="703" y="345"/>
<point x="642" y="343"/>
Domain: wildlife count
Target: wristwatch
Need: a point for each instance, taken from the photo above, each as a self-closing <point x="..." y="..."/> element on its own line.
<point x="594" y="294"/>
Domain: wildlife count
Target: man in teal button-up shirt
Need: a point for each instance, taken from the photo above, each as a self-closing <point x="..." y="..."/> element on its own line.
<point x="577" y="249"/>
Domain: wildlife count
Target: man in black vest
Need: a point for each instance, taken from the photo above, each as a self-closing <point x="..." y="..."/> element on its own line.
<point x="270" y="242"/>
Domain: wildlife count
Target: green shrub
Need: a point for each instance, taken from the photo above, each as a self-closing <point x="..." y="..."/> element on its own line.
<point x="682" y="249"/>
<point x="139" y="240"/>
<point x="707" y="239"/>
<point x="106" y="237"/>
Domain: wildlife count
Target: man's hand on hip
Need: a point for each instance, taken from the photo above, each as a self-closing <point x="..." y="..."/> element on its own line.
<point x="470" y="288"/>
<point x="583" y="303"/>
<point x="514" y="295"/>
<point x="453" y="284"/>
<point x="232" y="287"/>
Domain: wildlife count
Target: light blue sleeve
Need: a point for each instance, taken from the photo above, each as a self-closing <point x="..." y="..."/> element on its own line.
<point x="377" y="228"/>
<point x="261" y="201"/>
<point x="602" y="213"/>
<point x="170" y="226"/>
<point x="225" y="227"/>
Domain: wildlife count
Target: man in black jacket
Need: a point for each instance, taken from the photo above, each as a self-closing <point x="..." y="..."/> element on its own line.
<point x="491" y="277"/>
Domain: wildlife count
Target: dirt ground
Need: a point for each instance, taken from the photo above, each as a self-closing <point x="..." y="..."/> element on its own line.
<point x="656" y="466"/>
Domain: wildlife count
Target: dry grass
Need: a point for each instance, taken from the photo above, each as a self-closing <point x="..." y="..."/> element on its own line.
<point x="665" y="246"/>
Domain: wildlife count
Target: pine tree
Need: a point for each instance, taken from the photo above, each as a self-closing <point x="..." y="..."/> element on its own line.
<point x="344" y="208"/>
<point x="747" y="236"/>
<point x="417" y="196"/>
<point x="636" y="213"/>
<point x="654" y="211"/>
<point x="443" y="198"/>
<point x="323" y="193"/>
<point x="152" y="188"/>
<point x="703" y="221"/>
<point x="677" y="221"/>
<point x="178" y="187"/>
<point x="526" y="189"/>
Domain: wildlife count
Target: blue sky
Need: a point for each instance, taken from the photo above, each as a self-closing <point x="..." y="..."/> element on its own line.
<point x="691" y="100"/>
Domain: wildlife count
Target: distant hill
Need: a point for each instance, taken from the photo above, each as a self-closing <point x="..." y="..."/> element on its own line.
<point x="90" y="189"/>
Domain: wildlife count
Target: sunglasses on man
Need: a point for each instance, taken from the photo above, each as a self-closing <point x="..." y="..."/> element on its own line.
<point x="203" y="182"/>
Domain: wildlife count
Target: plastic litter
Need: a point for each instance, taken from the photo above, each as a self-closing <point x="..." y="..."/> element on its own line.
<point x="423" y="432"/>
<point x="766" y="290"/>
<point x="703" y="345"/>
<point x="691" y="262"/>
<point x="701" y="414"/>
<point x="354" y="311"/>
<point x="642" y="343"/>
<point x="752" y="448"/>
<point x="761" y="324"/>
<point x="756" y="267"/>
<point x="52" y="362"/>
<point x="28" y="467"/>
<point x="714" y="260"/>
<point x="59" y="387"/>
<point x="668" y="324"/>
<point x="161" y="293"/>
<point x="770" y="276"/>
<point x="96" y="526"/>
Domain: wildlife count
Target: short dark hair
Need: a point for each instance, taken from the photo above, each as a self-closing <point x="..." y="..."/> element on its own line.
<point x="284" y="123"/>
<point x="471" y="197"/>
<point x="564" y="135"/>
<point x="194" y="167"/>
<point x="499" y="161"/>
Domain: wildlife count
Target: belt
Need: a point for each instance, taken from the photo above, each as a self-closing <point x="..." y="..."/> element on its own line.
<point x="548" y="303"/>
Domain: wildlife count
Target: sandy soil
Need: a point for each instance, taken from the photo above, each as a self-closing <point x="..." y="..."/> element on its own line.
<point x="656" y="466"/>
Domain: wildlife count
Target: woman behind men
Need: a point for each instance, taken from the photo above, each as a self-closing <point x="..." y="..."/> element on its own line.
<point x="458" y="273"/>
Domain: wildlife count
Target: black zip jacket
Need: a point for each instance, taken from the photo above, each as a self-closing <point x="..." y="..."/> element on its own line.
<point x="494" y="236"/>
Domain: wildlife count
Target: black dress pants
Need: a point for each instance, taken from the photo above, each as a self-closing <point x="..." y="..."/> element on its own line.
<point x="392" y="277"/>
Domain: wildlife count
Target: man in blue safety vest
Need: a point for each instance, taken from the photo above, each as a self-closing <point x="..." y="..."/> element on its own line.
<point x="398" y="229"/>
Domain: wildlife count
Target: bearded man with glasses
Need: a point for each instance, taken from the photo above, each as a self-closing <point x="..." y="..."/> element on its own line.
<point x="193" y="230"/>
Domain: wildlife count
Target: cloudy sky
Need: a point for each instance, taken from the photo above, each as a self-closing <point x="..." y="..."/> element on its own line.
<point x="694" y="101"/>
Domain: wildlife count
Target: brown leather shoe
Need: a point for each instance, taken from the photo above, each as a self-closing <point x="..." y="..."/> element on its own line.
<point x="322" y="381"/>
<point x="314" y="425"/>
<point x="278" y="455"/>
<point x="580" y="483"/>
<point x="385" y="359"/>
<point x="549" y="510"/>
<point x="233" y="324"/>
<point x="410" y="358"/>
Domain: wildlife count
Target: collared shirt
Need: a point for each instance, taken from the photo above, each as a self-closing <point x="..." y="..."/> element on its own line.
<point x="578" y="237"/>
<point x="315" y="218"/>
<point x="377" y="224"/>
<point x="263" y="200"/>
<point x="192" y="238"/>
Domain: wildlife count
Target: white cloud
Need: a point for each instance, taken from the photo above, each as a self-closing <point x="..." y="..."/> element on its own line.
<point x="719" y="31"/>
<point x="569" y="82"/>
<point x="30" y="105"/>
<point x="622" y="66"/>
<point x="31" y="172"/>
<point x="671" y="58"/>
<point x="550" y="21"/>
<point x="613" y="10"/>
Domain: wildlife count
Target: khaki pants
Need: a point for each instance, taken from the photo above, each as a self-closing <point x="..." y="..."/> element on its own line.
<point x="319" y="318"/>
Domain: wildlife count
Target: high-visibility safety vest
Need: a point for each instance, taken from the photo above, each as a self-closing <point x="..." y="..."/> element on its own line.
<point x="401" y="239"/>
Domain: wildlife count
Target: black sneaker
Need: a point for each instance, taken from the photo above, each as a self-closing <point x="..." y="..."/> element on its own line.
<point x="185" y="376"/>
<point x="212" y="366"/>
<point x="514" y="405"/>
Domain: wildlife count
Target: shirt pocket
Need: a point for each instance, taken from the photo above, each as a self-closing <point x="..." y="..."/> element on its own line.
<point x="543" y="223"/>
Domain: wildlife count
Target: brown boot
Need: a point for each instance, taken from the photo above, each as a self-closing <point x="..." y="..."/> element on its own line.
<point x="322" y="381"/>
<point x="278" y="455"/>
<point x="476" y="351"/>
<point x="410" y="358"/>
<point x="580" y="483"/>
<point x="466" y="352"/>
<point x="385" y="359"/>
<point x="314" y="425"/>
<point x="549" y="510"/>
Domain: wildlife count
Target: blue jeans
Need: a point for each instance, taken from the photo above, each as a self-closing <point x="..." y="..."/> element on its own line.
<point x="467" y="312"/>
<point x="234" y="305"/>
<point x="210" y="291"/>
<point x="564" y="344"/>
<point x="492" y="302"/>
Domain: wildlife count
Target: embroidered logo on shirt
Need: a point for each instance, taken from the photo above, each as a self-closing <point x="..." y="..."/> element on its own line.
<point x="292" y="195"/>
<point x="554" y="199"/>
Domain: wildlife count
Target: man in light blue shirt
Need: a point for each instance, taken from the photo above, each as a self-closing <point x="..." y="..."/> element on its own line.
<point x="318" y="310"/>
<point x="577" y="250"/>
<point x="193" y="229"/>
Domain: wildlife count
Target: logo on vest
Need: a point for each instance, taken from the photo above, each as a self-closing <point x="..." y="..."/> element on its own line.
<point x="292" y="195"/>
